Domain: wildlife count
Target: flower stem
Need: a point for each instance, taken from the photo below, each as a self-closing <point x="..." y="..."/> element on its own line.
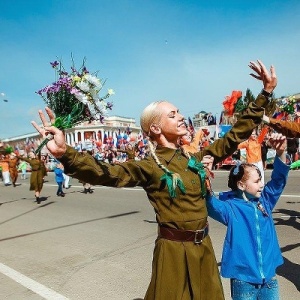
<point x="44" y="143"/>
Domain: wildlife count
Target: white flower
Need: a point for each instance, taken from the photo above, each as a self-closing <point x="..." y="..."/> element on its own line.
<point x="94" y="95"/>
<point x="101" y="105"/>
<point x="84" y="86"/>
<point x="93" y="81"/>
<point x="82" y="98"/>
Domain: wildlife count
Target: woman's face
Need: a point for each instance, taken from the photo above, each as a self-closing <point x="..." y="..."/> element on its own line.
<point x="172" y="123"/>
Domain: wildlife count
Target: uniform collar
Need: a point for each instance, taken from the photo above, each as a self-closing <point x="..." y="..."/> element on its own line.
<point x="166" y="153"/>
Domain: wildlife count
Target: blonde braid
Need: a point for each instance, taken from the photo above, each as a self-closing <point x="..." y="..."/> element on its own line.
<point x="175" y="177"/>
<point x="153" y="154"/>
<point x="185" y="153"/>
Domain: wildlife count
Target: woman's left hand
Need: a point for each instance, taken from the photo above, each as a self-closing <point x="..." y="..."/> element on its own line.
<point x="269" y="79"/>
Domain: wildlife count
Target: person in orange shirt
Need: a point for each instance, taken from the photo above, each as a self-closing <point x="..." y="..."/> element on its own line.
<point x="205" y="142"/>
<point x="253" y="152"/>
<point x="191" y="142"/>
<point x="12" y="161"/>
<point x="5" y="170"/>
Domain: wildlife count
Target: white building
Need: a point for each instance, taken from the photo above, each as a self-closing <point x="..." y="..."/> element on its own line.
<point x="86" y="133"/>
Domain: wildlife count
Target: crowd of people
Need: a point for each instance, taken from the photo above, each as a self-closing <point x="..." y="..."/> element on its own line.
<point x="173" y="167"/>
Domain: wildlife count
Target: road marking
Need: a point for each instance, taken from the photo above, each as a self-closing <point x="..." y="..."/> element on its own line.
<point x="30" y="284"/>
<point x="286" y="195"/>
<point x="283" y="195"/>
<point x="138" y="188"/>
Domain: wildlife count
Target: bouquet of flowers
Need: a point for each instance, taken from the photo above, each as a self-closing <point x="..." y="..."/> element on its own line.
<point x="74" y="97"/>
<point x="287" y="105"/>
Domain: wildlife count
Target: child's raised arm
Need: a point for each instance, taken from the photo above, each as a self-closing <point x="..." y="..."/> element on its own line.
<point x="279" y="143"/>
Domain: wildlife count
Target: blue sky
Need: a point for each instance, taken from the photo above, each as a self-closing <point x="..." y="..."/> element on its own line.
<point x="191" y="53"/>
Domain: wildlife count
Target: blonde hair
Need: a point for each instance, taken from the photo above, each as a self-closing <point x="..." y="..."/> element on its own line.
<point x="150" y="115"/>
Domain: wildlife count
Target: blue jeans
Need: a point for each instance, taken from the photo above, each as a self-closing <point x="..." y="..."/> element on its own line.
<point x="59" y="190"/>
<point x="241" y="290"/>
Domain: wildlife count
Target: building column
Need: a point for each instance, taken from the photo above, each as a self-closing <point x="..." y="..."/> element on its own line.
<point x="67" y="138"/>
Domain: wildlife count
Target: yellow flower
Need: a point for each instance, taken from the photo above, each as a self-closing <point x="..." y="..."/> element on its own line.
<point x="76" y="78"/>
<point x="110" y="92"/>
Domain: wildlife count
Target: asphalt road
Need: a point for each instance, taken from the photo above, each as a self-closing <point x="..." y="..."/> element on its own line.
<point x="99" y="246"/>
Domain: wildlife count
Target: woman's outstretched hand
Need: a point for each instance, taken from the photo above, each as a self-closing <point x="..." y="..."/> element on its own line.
<point x="57" y="146"/>
<point x="269" y="79"/>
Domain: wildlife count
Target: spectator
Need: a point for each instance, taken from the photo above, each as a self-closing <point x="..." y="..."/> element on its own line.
<point x="12" y="161"/>
<point x="59" y="178"/>
<point x="211" y="120"/>
<point x="292" y="147"/>
<point x="23" y="168"/>
<point x="253" y="152"/>
<point x="5" y="170"/>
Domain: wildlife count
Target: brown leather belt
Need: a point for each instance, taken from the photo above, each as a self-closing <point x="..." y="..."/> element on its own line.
<point x="180" y="235"/>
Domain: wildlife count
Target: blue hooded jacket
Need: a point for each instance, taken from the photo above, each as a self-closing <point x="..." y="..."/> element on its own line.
<point x="59" y="177"/>
<point x="251" y="250"/>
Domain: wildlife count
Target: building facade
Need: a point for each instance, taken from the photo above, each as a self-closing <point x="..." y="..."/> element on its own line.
<point x="85" y="134"/>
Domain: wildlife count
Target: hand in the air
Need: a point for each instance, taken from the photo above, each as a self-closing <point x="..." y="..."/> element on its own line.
<point x="269" y="79"/>
<point x="57" y="145"/>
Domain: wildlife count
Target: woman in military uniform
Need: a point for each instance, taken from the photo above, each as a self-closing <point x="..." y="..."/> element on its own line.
<point x="13" y="170"/>
<point x="184" y="265"/>
<point x="37" y="174"/>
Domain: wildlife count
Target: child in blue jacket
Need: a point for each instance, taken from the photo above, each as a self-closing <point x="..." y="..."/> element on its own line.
<point x="59" y="178"/>
<point x="251" y="251"/>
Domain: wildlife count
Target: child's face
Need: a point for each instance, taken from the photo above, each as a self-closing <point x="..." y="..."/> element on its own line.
<point x="253" y="136"/>
<point x="187" y="138"/>
<point x="253" y="185"/>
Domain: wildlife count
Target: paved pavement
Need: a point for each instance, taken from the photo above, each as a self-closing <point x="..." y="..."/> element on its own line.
<point x="99" y="246"/>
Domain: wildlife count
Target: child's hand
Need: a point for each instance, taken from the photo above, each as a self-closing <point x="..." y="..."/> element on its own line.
<point x="207" y="161"/>
<point x="278" y="142"/>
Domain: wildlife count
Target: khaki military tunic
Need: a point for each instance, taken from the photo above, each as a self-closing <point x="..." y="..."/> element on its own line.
<point x="288" y="128"/>
<point x="37" y="173"/>
<point x="180" y="270"/>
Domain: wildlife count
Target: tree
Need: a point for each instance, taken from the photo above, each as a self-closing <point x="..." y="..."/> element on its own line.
<point x="242" y="103"/>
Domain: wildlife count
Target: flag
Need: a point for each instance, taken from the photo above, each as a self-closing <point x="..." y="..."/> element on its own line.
<point x="262" y="134"/>
<point x="221" y="117"/>
<point x="191" y="128"/>
<point x="230" y="101"/>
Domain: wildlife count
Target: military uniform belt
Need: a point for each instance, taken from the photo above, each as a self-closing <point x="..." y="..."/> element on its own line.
<point x="180" y="235"/>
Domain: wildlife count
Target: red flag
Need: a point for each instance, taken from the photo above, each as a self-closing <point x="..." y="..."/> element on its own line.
<point x="230" y="102"/>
